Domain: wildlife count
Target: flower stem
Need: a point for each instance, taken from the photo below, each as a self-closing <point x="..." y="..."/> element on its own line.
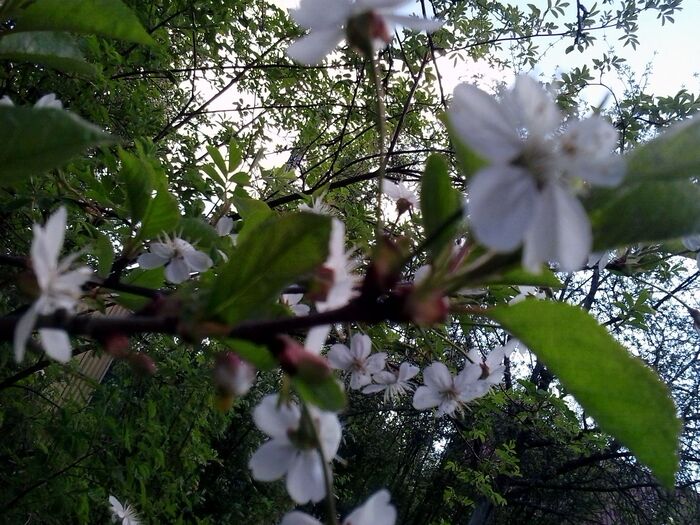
<point x="381" y="123"/>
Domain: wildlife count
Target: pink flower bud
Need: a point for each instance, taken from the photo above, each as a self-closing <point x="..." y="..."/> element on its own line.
<point x="297" y="361"/>
<point x="428" y="308"/>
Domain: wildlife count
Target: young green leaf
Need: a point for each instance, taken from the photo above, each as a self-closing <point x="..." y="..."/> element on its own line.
<point x="622" y="394"/>
<point x="218" y="159"/>
<point x="162" y="216"/>
<point x="35" y="140"/>
<point x="110" y="18"/>
<point x="326" y="394"/>
<point x="275" y="254"/>
<point x="56" y="50"/>
<point x="441" y="204"/>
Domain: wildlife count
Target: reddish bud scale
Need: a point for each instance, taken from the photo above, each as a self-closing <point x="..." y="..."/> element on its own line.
<point x="297" y="361"/>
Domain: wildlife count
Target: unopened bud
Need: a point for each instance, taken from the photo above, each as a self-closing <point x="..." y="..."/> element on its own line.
<point x="232" y="375"/>
<point x="142" y="364"/>
<point x="297" y="361"/>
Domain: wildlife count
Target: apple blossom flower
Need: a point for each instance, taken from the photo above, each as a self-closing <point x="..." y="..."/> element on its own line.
<point x="599" y="259"/>
<point x="401" y="195"/>
<point x="178" y="256"/>
<point x="224" y="226"/>
<point x="124" y="515"/>
<point x="492" y="369"/>
<point x="317" y="206"/>
<point x="526" y="291"/>
<point x="329" y="21"/>
<point x="357" y="360"/>
<point x="293" y="301"/>
<point x="60" y="289"/>
<point x="292" y="449"/>
<point x="394" y="384"/>
<point x="339" y="269"/>
<point x="375" y="511"/>
<point x="525" y="195"/>
<point x="447" y="393"/>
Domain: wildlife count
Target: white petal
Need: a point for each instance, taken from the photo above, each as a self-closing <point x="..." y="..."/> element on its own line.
<point x="313" y="48"/>
<point x="301" y="310"/>
<point x="467" y="377"/>
<point x="495" y="357"/>
<point x="299" y="518"/>
<point x="481" y="122"/>
<point x="391" y="190"/>
<point x="437" y="377"/>
<point x="197" y="261"/>
<point x="425" y="398"/>
<point x="407" y="371"/>
<point x="375" y="363"/>
<point x="340" y="357"/>
<point x="559" y="231"/>
<point x="535" y="107"/>
<point x="691" y="243"/>
<point x="177" y="271"/>
<point x="360" y="346"/>
<point x="359" y="379"/>
<point x="587" y="152"/>
<point x="422" y="274"/>
<point x="321" y="13"/>
<point x="292" y="298"/>
<point x="373" y="389"/>
<point x="378" y="4"/>
<point x="305" y="478"/>
<point x="375" y="511"/>
<point x="162" y="249"/>
<point x="316" y="338"/>
<point x="23" y="330"/>
<point x="6" y="101"/>
<point x="272" y="460"/>
<point x="414" y="22"/>
<point x="224" y="226"/>
<point x="56" y="344"/>
<point x="49" y="101"/>
<point x="151" y="260"/>
<point x="329" y="433"/>
<point x="276" y="420"/>
<point x="501" y="206"/>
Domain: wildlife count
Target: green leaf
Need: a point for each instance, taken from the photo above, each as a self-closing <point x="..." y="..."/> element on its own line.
<point x="327" y="394"/>
<point x="110" y="18"/>
<point x="218" y="159"/>
<point x="468" y="160"/>
<point x="198" y="232"/>
<point x="153" y="278"/>
<point x="104" y="252"/>
<point x="235" y="156"/>
<point x="274" y="255"/>
<point x="521" y="277"/>
<point x="441" y="204"/>
<point x="626" y="398"/>
<point x="254" y="213"/>
<point x="649" y="211"/>
<point x="56" y="50"/>
<point x="674" y="154"/>
<point x="138" y="179"/>
<point x="257" y="355"/>
<point x="35" y="140"/>
<point x="162" y="216"/>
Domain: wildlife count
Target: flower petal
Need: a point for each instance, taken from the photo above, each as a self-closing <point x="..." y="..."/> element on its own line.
<point x="340" y="357"/>
<point x="437" y="377"/>
<point x="56" y="344"/>
<point x="177" y="271"/>
<point x="224" y="226"/>
<point x="559" y="231"/>
<point x="359" y="379"/>
<point x="320" y="14"/>
<point x="316" y="338"/>
<point x="329" y="433"/>
<point x="425" y="398"/>
<point x="360" y="346"/>
<point x="534" y="106"/>
<point x="276" y="420"/>
<point x="197" y="261"/>
<point x="414" y="22"/>
<point x="299" y="518"/>
<point x="501" y="206"/>
<point x="23" y="330"/>
<point x="272" y="460"/>
<point x="407" y="371"/>
<point x="375" y="511"/>
<point x="375" y="363"/>
<point x="483" y="124"/>
<point x="305" y="480"/>
<point x="151" y="260"/>
<point x="313" y="48"/>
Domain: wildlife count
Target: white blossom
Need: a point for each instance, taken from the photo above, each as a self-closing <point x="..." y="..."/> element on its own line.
<point x="599" y="259"/>
<point x="526" y="291"/>
<point x="357" y="360"/>
<point x="178" y="256"/>
<point x="317" y="207"/>
<point x="400" y="194"/>
<point x="293" y="300"/>
<point x="60" y="288"/>
<point x="291" y="451"/>
<point x="446" y="393"/>
<point x="224" y="226"/>
<point x="339" y="267"/>
<point x="123" y="515"/>
<point x="692" y="243"/>
<point x="47" y="101"/>
<point x="394" y="384"/>
<point x="525" y="195"/>
<point x="327" y="21"/>
<point x="492" y="367"/>
<point x="375" y="511"/>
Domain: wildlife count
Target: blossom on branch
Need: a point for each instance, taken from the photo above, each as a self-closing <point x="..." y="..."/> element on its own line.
<point x="357" y="360"/>
<point x="178" y="256"/>
<point x="60" y="289"/>
<point x="404" y="198"/>
<point x="394" y="384"/>
<point x="526" y="193"/>
<point x="293" y="447"/>
<point x="375" y="511"/>
<point x="367" y="24"/>
<point x="121" y="514"/>
<point x="446" y="393"/>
